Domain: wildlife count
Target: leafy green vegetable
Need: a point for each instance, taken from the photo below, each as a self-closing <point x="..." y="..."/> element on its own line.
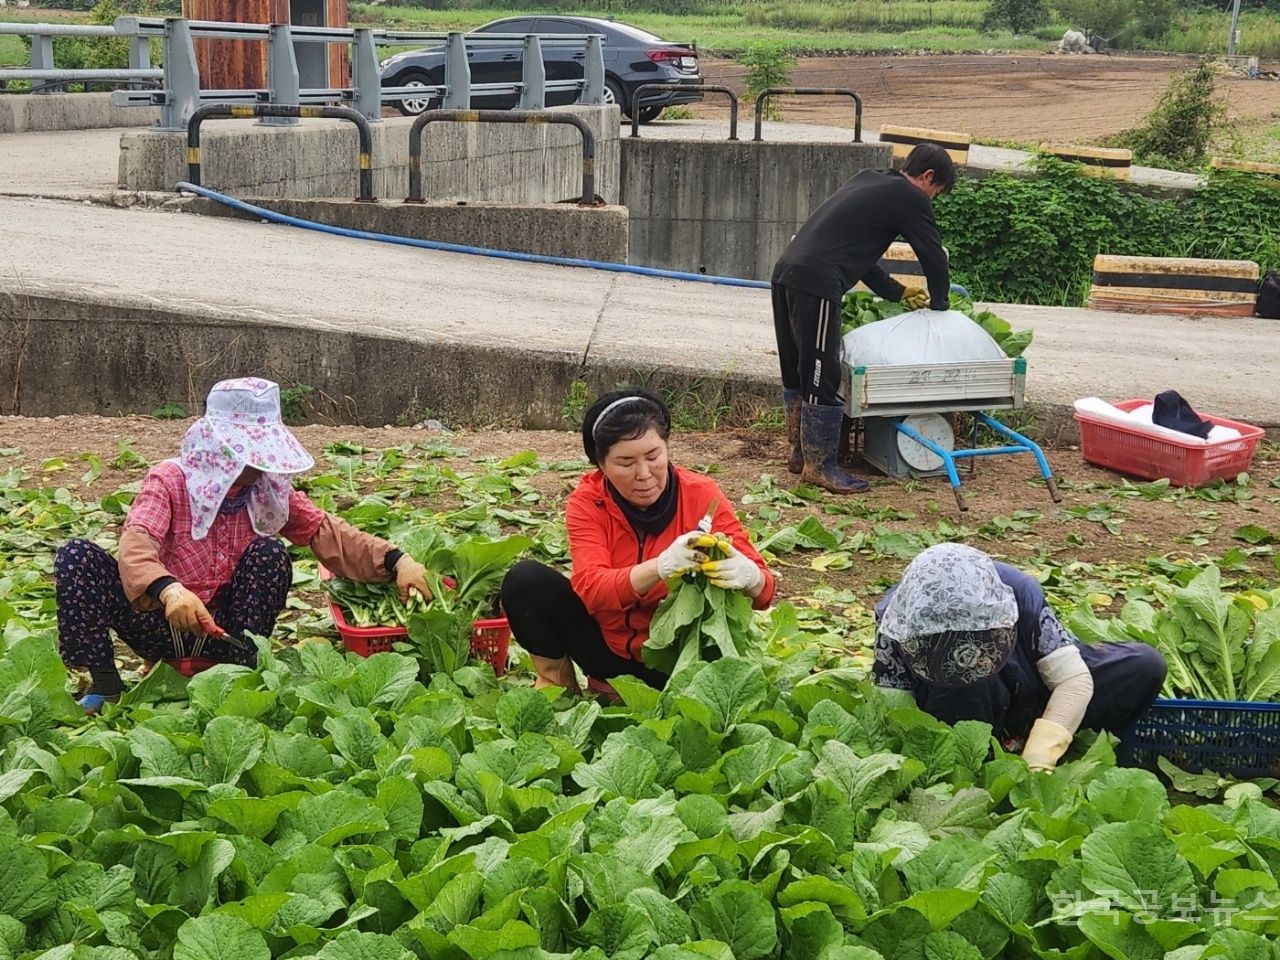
<point x="696" y="621"/>
<point x="1218" y="645"/>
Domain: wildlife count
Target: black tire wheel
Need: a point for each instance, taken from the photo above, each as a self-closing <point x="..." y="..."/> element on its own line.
<point x="613" y="93"/>
<point x="649" y="114"/>
<point x="413" y="106"/>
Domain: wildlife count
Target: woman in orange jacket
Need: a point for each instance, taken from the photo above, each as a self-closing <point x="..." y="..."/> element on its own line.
<point x="633" y="524"/>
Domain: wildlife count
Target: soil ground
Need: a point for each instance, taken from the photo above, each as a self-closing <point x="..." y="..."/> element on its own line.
<point x="1023" y="98"/>
<point x="1010" y="512"/>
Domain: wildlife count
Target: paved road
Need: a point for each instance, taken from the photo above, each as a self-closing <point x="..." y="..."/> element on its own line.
<point x="277" y="274"/>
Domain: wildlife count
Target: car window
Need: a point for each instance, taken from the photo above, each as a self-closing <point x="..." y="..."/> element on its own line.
<point x="548" y="25"/>
<point x="518" y="25"/>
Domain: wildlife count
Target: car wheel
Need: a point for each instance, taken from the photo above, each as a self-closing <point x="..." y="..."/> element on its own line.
<point x="412" y="106"/>
<point x="649" y="114"/>
<point x="613" y="93"/>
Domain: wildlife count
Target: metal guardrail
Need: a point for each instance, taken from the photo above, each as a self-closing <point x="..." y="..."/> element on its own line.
<point x="228" y="110"/>
<point x="180" y="94"/>
<point x="700" y="88"/>
<point x="809" y="92"/>
<point x="42" y="66"/>
<point x="501" y="116"/>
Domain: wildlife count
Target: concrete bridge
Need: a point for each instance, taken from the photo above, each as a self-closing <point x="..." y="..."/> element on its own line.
<point x="114" y="304"/>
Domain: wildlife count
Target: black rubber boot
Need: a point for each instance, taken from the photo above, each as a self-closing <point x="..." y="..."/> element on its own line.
<point x="820" y="429"/>
<point x="791" y="405"/>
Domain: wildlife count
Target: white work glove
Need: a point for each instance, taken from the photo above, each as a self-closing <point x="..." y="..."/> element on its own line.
<point x="735" y="572"/>
<point x="1046" y="743"/>
<point x="681" y="557"/>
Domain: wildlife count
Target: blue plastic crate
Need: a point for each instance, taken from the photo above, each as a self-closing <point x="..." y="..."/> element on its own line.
<point x="1226" y="736"/>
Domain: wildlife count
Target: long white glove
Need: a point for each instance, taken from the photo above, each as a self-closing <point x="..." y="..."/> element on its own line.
<point x="735" y="572"/>
<point x="681" y="557"/>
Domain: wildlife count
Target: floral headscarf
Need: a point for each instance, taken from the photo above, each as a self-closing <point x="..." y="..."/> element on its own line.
<point x="241" y="428"/>
<point x="952" y="617"/>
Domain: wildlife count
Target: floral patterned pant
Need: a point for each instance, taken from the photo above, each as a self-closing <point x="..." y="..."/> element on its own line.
<point x="92" y="604"/>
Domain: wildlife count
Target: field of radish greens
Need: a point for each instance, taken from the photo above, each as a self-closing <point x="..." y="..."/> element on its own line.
<point x="771" y="805"/>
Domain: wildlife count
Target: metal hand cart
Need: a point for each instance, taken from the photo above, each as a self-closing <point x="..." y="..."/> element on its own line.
<point x="904" y="412"/>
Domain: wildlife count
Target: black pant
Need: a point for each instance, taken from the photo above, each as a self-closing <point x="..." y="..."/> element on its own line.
<point x="549" y="620"/>
<point x="1127" y="677"/>
<point x="809" y="347"/>
<point x="92" y="605"/>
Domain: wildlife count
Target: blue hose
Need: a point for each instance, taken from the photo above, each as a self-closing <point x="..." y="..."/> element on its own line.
<point x="274" y="217"/>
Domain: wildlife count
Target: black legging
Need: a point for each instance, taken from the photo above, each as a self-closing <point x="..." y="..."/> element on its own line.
<point x="549" y="620"/>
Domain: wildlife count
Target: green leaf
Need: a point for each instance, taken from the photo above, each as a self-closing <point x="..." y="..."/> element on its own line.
<point x="1128" y="862"/>
<point x="332" y="817"/>
<point x="739" y="915"/>
<point x="231" y="745"/>
<point x="219" y="937"/>
<point x="622" y="931"/>
<point x="355" y="945"/>
<point x="730" y="688"/>
<point x="945" y="945"/>
<point x="622" y="769"/>
<point x="382" y="680"/>
<point x="1119" y="936"/>
<point x="525" y="711"/>
<point x="25" y="892"/>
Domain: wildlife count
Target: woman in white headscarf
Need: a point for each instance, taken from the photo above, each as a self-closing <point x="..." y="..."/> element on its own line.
<point x="200" y="561"/>
<point x="973" y="639"/>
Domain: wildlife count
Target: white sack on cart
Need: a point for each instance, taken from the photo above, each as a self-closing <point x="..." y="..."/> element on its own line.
<point x="921" y="336"/>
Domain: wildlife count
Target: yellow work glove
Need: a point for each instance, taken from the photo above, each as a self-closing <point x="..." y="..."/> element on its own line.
<point x="915" y="297"/>
<point x="185" y="612"/>
<point x="735" y="572"/>
<point x="1047" y="742"/>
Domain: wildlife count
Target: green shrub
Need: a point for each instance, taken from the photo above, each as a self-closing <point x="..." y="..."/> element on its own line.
<point x="1033" y="239"/>
<point x="768" y="65"/>
<point x="1178" y="132"/>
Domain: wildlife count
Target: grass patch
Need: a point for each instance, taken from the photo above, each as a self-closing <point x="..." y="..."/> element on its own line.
<point x="732" y="31"/>
<point x="13" y="52"/>
<point x="1205" y="31"/>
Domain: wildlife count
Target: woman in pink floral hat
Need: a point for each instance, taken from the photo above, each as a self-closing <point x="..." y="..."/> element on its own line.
<point x="201" y="563"/>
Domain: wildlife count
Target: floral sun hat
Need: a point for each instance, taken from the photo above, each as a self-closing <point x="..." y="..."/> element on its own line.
<point x="241" y="427"/>
<point x="952" y="617"/>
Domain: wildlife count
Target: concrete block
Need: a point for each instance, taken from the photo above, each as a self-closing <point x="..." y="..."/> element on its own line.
<point x="745" y="200"/>
<point x="504" y="163"/>
<point x="558" y="230"/>
<point x="30" y="113"/>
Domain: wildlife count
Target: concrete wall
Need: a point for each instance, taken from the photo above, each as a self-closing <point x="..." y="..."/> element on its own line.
<point x="96" y="354"/>
<point x="729" y="209"/>
<point x="505" y="163"/>
<point x="558" y="230"/>
<point x="31" y="112"/>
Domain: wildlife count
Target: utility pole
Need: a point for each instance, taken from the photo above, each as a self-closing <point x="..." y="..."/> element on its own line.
<point x="1235" y="29"/>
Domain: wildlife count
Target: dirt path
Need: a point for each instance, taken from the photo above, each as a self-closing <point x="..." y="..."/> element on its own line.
<point x="1027" y="97"/>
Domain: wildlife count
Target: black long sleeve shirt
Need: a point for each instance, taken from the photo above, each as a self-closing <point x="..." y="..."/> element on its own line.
<point x="844" y="239"/>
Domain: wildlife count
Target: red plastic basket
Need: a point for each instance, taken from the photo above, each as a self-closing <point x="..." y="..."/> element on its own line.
<point x="1185" y="464"/>
<point x="489" y="638"/>
<point x="190" y="666"/>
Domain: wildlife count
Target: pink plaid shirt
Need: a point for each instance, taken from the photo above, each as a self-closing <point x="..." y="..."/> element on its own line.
<point x="164" y="512"/>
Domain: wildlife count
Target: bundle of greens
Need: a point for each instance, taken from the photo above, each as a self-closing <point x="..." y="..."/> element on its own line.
<point x="698" y="621"/>
<point x="1219" y="645"/>
<point x="862" y="307"/>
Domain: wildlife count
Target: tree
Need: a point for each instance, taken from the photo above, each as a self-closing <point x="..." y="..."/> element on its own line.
<point x="768" y="65"/>
<point x="1018" y="16"/>
<point x="1098" y="18"/>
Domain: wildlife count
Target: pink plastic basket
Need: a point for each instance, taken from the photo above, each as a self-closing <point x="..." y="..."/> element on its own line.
<point x="1185" y="464"/>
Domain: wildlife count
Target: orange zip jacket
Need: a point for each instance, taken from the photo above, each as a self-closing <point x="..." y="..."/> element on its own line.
<point x="604" y="548"/>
